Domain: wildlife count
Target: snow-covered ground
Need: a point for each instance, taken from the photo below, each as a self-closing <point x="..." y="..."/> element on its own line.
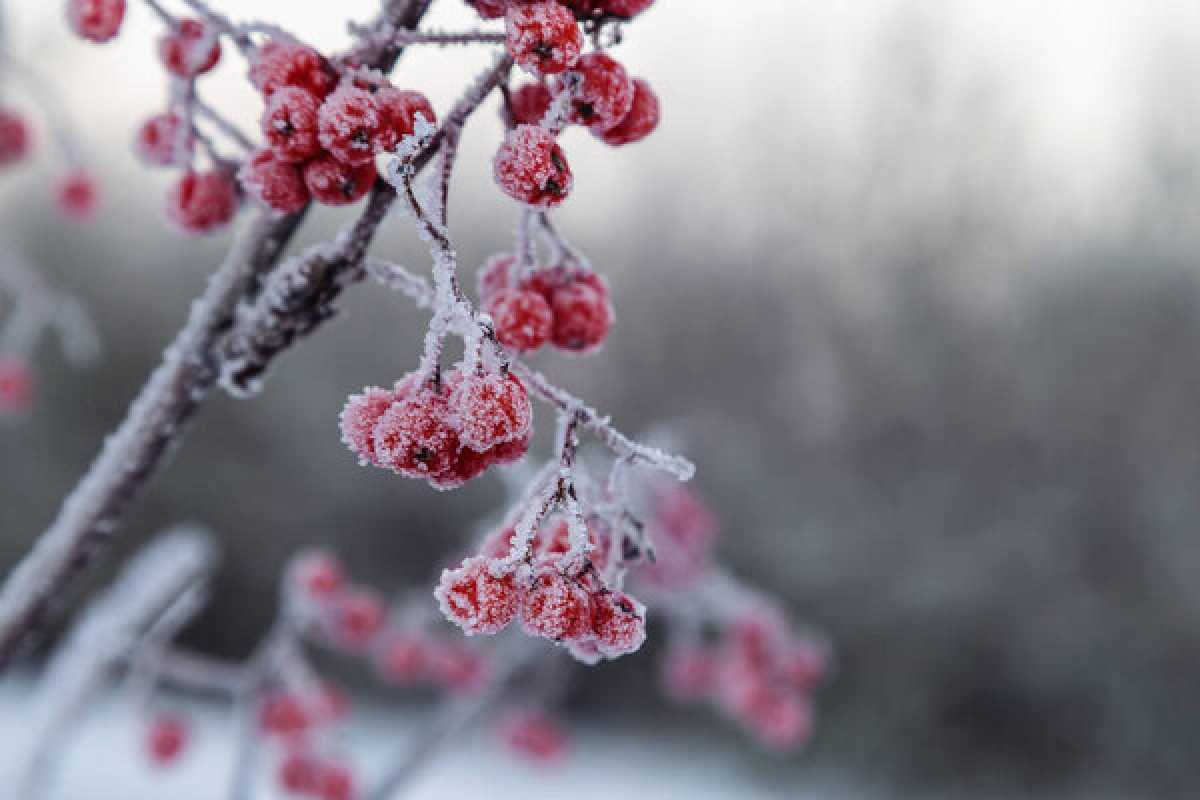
<point x="104" y="761"/>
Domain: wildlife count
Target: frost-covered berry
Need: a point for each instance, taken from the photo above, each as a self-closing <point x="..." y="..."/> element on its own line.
<point x="202" y="202"/>
<point x="161" y="140"/>
<point x="336" y="184"/>
<point x="403" y="658"/>
<point x="359" y="417"/>
<point x="352" y="127"/>
<point x="414" y="436"/>
<point x="279" y="63"/>
<point x="585" y="651"/>
<point x="509" y="452"/>
<point x="494" y="274"/>
<point x="489" y="9"/>
<point x="641" y="120"/>
<point x="95" y="20"/>
<point x="335" y="782"/>
<point x="318" y="575"/>
<point x="542" y="37"/>
<point x="523" y="319"/>
<point x="16" y="385"/>
<point x="189" y="50"/>
<point x="358" y="617"/>
<point x="166" y="739"/>
<point x="604" y="95"/>
<point x="14" y="137"/>
<point x="277" y="185"/>
<point x="533" y="735"/>
<point x="489" y="409"/>
<point x="289" y="124"/>
<point x="556" y="607"/>
<point x="530" y="102"/>
<point x="400" y="108"/>
<point x="582" y="317"/>
<point x="476" y="599"/>
<point x="77" y="196"/>
<point x="297" y="773"/>
<point x="531" y="168"/>
<point x="618" y="623"/>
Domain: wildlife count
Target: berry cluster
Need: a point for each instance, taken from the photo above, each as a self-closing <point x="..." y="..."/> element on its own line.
<point x="345" y="615"/>
<point x="568" y="306"/>
<point x="757" y="672"/>
<point x="75" y="193"/>
<point x="292" y="721"/>
<point x="322" y="135"/>
<point x="444" y="429"/>
<point x="685" y="531"/>
<point x="554" y="596"/>
<point x="417" y="656"/>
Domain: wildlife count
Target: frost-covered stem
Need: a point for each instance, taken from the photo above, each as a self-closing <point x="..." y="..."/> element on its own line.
<point x="200" y="673"/>
<point x="90" y="513"/>
<point x="447" y="37"/>
<point x="224" y="124"/>
<point x="223" y="25"/>
<point x="164" y="16"/>
<point x="562" y="250"/>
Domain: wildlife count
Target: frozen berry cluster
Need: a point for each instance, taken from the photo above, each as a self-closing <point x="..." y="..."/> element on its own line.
<point x="756" y="671"/>
<point x="322" y="133"/>
<point x="290" y="722"/>
<point x="566" y="602"/>
<point x="444" y="429"/>
<point x="567" y="306"/>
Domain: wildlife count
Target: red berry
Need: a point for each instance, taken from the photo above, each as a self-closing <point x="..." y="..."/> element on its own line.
<point x="618" y="623"/>
<point x="489" y="9"/>
<point x="490" y="409"/>
<point x="530" y="102"/>
<point x="167" y="737"/>
<point x="289" y="123"/>
<point x="556" y="607"/>
<point x="641" y="120"/>
<point x="617" y="8"/>
<point x="162" y="141"/>
<point x="582" y="317"/>
<point x="359" y="616"/>
<point x="359" y="417"/>
<point x="95" y="20"/>
<point x="77" y="196"/>
<point x="14" y="137"/>
<point x="531" y="168"/>
<point x="277" y="185"/>
<point x="279" y="63"/>
<point x="352" y="128"/>
<point x="476" y="599"/>
<point x="494" y="274"/>
<point x="400" y="108"/>
<point x="189" y="50"/>
<point x="16" y="385"/>
<point x="283" y="714"/>
<point x="317" y="574"/>
<point x="604" y="96"/>
<point x="202" y="202"/>
<point x="523" y="319"/>
<point x="414" y="436"/>
<point x="298" y="773"/>
<point x="403" y="659"/>
<point x="336" y="184"/>
<point x="542" y="37"/>
<point x="533" y="735"/>
<point x="335" y="782"/>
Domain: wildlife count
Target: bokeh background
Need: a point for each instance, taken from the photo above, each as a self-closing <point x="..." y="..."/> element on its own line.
<point x="914" y="283"/>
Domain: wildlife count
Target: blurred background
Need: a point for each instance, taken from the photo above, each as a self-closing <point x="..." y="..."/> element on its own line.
<point x="913" y="283"/>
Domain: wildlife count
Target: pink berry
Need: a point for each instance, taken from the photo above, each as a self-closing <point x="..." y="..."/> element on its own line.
<point x="77" y="196"/>
<point x="359" y="616"/>
<point x="494" y="274"/>
<point x="604" y="96"/>
<point x="533" y="735"/>
<point x="279" y="63"/>
<point x="289" y="124"/>
<point x="542" y="37"/>
<point x="530" y="102"/>
<point x="531" y="168"/>
<point x="555" y="607"/>
<point x="641" y="120"/>
<point x="359" y="417"/>
<point x="403" y="659"/>
<point x="277" y="185"/>
<point x="14" y="137"/>
<point x="685" y="531"/>
<point x="490" y="409"/>
<point x="689" y="672"/>
<point x="523" y="319"/>
<point x="95" y="20"/>
<point x="189" y="50"/>
<point x="167" y="737"/>
<point x="780" y="720"/>
<point x="283" y="714"/>
<point x="582" y="318"/>
<point x="161" y="140"/>
<point x="414" y="436"/>
<point x="298" y="773"/>
<point x="476" y="599"/>
<point x="489" y="9"/>
<point x="804" y="665"/>
<point x="400" y="108"/>
<point x="458" y="667"/>
<point x="336" y="184"/>
<point x="618" y="623"/>
<point x="335" y="782"/>
<point x="317" y="574"/>
<point x="202" y="202"/>
<point x="16" y="385"/>
<point x="352" y="127"/>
